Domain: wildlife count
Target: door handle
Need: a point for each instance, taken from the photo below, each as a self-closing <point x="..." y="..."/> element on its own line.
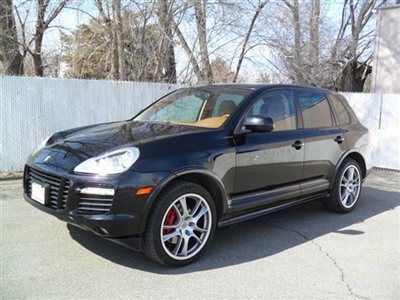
<point x="297" y="145"/>
<point x="339" y="139"/>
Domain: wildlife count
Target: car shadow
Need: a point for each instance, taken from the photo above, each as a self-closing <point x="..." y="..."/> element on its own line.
<point x="255" y="239"/>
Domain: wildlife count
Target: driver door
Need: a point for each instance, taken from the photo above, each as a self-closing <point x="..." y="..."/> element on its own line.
<point x="271" y="162"/>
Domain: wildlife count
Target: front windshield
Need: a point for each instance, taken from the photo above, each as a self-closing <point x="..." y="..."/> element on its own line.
<point x="193" y="107"/>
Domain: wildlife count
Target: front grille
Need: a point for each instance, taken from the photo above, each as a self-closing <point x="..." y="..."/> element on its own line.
<point x="64" y="194"/>
<point x="58" y="187"/>
<point x="58" y="194"/>
<point x="95" y="204"/>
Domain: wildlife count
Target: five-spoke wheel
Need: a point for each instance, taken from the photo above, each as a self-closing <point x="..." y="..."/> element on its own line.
<point x="350" y="186"/>
<point x="186" y="226"/>
<point x="346" y="187"/>
<point x="181" y="224"/>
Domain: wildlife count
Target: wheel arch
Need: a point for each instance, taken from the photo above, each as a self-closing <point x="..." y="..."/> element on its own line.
<point x="358" y="157"/>
<point x="203" y="177"/>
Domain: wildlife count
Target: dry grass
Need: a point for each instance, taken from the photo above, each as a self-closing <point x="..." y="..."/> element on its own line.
<point x="10" y="175"/>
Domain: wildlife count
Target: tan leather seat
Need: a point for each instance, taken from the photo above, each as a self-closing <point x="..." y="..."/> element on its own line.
<point x="226" y="107"/>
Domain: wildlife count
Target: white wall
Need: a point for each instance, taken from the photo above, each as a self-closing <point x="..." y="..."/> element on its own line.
<point x="386" y="63"/>
<point x="33" y="108"/>
<point x="380" y="113"/>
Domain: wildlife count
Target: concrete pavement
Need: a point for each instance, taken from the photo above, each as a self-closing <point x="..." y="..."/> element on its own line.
<point x="303" y="252"/>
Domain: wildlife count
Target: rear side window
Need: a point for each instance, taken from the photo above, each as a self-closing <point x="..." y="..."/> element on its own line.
<point x="341" y="112"/>
<point x="315" y="109"/>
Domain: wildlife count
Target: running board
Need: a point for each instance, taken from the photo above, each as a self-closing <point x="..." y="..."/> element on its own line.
<point x="255" y="214"/>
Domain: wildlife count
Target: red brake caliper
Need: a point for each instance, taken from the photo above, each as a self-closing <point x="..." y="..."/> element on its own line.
<point x="169" y="220"/>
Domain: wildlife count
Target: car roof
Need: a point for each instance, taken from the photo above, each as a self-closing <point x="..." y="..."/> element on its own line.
<point x="255" y="86"/>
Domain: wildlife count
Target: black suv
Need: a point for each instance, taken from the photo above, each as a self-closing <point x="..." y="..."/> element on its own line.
<point x="199" y="158"/>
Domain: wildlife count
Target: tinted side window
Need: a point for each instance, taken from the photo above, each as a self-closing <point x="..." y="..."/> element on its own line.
<point x="279" y="106"/>
<point x="315" y="109"/>
<point x="341" y="112"/>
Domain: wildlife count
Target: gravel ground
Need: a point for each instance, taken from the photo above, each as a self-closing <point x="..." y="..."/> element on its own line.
<point x="303" y="252"/>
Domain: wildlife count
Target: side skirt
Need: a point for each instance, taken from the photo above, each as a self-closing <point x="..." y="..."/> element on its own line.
<point x="254" y="214"/>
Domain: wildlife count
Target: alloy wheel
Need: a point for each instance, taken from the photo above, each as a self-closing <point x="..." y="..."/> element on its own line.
<point x="186" y="226"/>
<point x="350" y="186"/>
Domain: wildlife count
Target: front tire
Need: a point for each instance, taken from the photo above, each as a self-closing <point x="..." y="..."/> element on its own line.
<point x="181" y="224"/>
<point x="346" y="188"/>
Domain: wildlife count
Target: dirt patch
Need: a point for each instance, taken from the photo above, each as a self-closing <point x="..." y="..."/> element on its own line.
<point x="13" y="175"/>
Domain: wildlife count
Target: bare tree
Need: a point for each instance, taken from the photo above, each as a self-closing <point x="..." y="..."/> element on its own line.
<point x="201" y="67"/>
<point x="165" y="14"/>
<point x="295" y="58"/>
<point x="148" y="67"/>
<point x="309" y="55"/>
<point x="359" y="13"/>
<point x="314" y="68"/>
<point x="315" y="11"/>
<point x="10" y="56"/>
<point x="111" y="30"/>
<point x="118" y="38"/>
<point x="139" y="40"/>
<point x="42" y="24"/>
<point x="200" y="15"/>
<point x="247" y="37"/>
<point x="189" y="52"/>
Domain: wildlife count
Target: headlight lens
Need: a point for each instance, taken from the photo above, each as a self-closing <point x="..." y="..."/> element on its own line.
<point x="113" y="162"/>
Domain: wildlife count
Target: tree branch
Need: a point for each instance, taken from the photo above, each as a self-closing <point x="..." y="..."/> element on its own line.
<point x="247" y="37"/>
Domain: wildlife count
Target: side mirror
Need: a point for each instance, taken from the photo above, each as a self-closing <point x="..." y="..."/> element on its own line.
<point x="259" y="123"/>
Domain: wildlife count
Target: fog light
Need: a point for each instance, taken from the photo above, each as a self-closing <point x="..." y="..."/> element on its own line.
<point x="97" y="191"/>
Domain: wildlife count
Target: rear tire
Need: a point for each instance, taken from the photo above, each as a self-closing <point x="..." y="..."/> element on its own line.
<point x="346" y="189"/>
<point x="181" y="224"/>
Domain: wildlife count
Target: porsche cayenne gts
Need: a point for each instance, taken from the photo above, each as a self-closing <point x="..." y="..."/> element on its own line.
<point x="200" y="158"/>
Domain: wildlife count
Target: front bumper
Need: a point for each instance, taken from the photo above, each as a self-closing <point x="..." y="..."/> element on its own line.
<point x="106" y="226"/>
<point x="124" y="221"/>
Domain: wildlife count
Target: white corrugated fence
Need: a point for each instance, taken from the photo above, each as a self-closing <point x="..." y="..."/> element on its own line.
<point x="32" y="108"/>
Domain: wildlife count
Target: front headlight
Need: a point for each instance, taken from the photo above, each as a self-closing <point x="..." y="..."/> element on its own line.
<point x="113" y="162"/>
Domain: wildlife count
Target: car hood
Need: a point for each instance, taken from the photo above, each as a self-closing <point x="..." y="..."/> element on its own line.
<point x="69" y="148"/>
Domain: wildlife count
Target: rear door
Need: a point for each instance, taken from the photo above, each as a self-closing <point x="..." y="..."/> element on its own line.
<point x="324" y="140"/>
